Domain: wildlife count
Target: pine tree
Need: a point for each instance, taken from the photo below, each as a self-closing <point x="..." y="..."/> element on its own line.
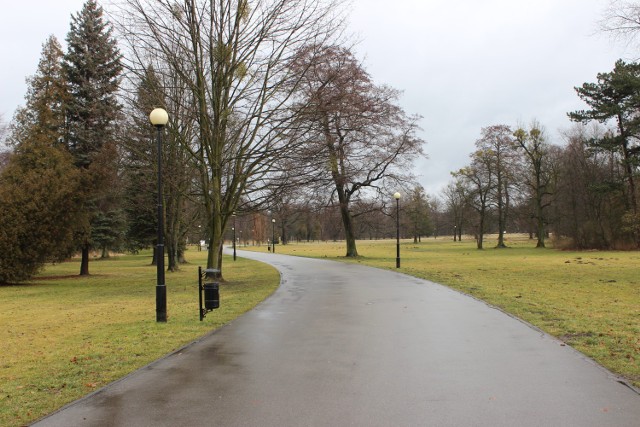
<point x="615" y="98"/>
<point x="92" y="67"/>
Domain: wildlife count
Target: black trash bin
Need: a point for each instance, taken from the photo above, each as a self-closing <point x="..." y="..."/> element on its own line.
<point x="211" y="296"/>
<point x="211" y="290"/>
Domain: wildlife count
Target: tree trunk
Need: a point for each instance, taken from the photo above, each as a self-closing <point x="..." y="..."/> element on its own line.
<point x="541" y="233"/>
<point x="540" y="222"/>
<point x="480" y="239"/>
<point x="501" y="226"/>
<point x="348" y="231"/>
<point x="283" y="232"/>
<point x="84" y="263"/>
<point x="172" y="256"/>
<point x="216" y="243"/>
<point x="347" y="222"/>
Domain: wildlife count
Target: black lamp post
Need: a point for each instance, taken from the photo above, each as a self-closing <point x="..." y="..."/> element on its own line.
<point x="159" y="119"/>
<point x="397" y="197"/>
<point x="234" y="235"/>
<point x="273" y="235"/>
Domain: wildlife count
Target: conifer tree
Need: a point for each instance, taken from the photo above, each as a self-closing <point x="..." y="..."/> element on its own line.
<point x="140" y="179"/>
<point x="38" y="186"/>
<point x="92" y="67"/>
<point x="43" y="117"/>
<point x="615" y="98"/>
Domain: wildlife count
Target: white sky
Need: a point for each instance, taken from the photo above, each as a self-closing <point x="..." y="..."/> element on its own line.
<point x="462" y="64"/>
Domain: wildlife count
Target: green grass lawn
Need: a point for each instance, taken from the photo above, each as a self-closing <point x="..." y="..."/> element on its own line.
<point x="64" y="336"/>
<point x="590" y="300"/>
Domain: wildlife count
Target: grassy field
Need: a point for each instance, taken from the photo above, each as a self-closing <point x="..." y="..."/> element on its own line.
<point x="64" y="336"/>
<point x="590" y="300"/>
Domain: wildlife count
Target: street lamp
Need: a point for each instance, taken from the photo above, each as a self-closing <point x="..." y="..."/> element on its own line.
<point x="234" y="235"/>
<point x="397" y="197"/>
<point x="273" y="235"/>
<point x="159" y="119"/>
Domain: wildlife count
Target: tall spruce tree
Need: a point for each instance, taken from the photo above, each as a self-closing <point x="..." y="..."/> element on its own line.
<point x="92" y="66"/>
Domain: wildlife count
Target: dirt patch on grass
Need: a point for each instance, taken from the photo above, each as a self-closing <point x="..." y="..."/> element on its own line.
<point x="572" y="337"/>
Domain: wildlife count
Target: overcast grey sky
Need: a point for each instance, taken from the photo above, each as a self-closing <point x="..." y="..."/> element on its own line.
<point x="462" y="64"/>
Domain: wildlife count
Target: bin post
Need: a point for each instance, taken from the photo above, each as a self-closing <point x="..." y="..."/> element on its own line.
<point x="201" y="311"/>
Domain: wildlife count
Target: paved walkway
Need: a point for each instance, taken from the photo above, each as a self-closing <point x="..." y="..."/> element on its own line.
<point x="347" y="345"/>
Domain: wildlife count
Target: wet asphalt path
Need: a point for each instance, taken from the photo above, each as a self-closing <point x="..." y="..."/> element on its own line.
<point x="346" y="345"/>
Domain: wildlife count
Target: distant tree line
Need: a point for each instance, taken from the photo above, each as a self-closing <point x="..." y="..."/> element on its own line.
<point x="309" y="221"/>
<point x="583" y="193"/>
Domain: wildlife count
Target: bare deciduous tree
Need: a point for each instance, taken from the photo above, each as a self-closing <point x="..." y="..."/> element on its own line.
<point x="234" y="57"/>
<point x="358" y="140"/>
<point x="497" y="144"/>
<point x="590" y="203"/>
<point x="455" y="197"/>
<point x="479" y="181"/>
<point x="3" y="136"/>
<point x="539" y="173"/>
<point x="621" y="19"/>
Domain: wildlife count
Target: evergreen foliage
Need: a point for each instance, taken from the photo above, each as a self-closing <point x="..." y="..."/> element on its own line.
<point x="140" y="173"/>
<point x="39" y="212"/>
<point x="39" y="184"/>
<point x="92" y="67"/>
<point x="616" y="96"/>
